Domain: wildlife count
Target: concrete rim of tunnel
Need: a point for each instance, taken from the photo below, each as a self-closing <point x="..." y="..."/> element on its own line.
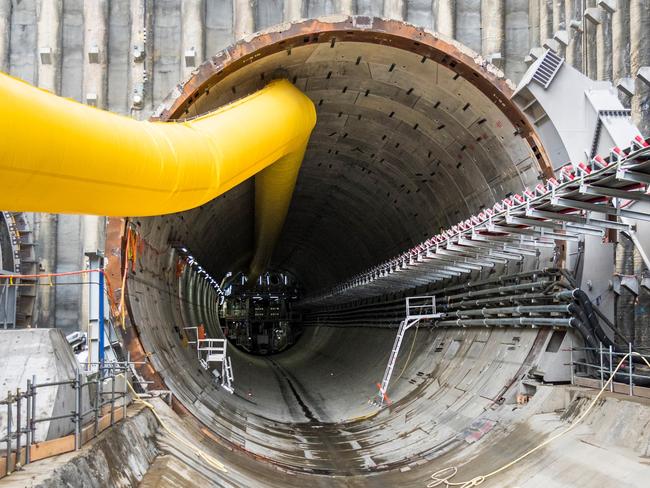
<point x="476" y="70"/>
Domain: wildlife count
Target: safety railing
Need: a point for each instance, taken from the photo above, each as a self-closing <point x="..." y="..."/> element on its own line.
<point x="211" y="351"/>
<point x="22" y="419"/>
<point x="420" y="307"/>
<point x="98" y="334"/>
<point x="602" y="364"/>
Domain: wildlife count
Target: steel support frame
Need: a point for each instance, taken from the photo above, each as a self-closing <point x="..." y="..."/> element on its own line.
<point x="516" y="228"/>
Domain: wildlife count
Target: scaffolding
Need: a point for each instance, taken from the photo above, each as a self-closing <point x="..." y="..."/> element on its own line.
<point x="212" y="355"/>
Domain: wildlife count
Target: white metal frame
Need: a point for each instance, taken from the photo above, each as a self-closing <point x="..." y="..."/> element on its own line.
<point x="421" y="307"/>
<point x="215" y="352"/>
<point x="417" y="308"/>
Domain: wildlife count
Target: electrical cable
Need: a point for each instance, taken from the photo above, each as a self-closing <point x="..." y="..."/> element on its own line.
<point x="11" y="277"/>
<point x="444" y="476"/>
<point x="210" y="460"/>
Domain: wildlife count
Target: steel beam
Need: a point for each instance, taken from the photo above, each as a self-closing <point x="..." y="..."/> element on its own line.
<point x="602" y="208"/>
<point x="586" y="189"/>
<point x="605" y="224"/>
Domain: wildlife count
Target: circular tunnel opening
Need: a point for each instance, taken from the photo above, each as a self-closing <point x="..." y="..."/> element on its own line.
<point x="414" y="133"/>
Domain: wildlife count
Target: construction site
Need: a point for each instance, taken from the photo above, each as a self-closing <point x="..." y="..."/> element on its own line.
<point x="324" y="243"/>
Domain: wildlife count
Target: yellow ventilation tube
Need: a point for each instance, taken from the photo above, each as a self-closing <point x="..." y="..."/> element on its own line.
<point x="271" y="206"/>
<point x="61" y="156"/>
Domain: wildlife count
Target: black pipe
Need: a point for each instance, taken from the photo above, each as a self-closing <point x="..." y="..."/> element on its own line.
<point x="590" y="328"/>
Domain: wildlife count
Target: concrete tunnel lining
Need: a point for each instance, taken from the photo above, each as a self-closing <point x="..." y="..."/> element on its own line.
<point x="421" y="144"/>
<point x="414" y="133"/>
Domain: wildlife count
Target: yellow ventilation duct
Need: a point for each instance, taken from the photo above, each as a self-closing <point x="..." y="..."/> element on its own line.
<point x="61" y="156"/>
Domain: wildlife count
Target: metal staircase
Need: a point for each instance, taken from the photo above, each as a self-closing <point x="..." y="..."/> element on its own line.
<point x="211" y="354"/>
<point x="417" y="309"/>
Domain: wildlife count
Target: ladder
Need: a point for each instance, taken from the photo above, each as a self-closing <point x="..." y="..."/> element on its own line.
<point x="227" y="375"/>
<point x="417" y="308"/>
<point x="403" y="327"/>
<point x="215" y="353"/>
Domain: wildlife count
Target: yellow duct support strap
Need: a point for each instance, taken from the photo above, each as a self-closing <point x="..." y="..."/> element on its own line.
<point x="60" y="156"/>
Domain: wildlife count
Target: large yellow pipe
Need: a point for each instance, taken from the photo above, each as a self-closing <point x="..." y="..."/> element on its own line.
<point x="60" y="156"/>
<point x="271" y="206"/>
<point x="64" y="157"/>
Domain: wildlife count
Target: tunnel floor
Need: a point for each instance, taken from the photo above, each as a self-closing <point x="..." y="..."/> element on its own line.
<point x="304" y="417"/>
<point x="592" y="455"/>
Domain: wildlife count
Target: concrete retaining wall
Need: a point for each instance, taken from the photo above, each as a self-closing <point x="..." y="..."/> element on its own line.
<point x="120" y="457"/>
<point x="45" y="354"/>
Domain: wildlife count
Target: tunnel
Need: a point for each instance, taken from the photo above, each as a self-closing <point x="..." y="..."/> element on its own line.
<point x="414" y="133"/>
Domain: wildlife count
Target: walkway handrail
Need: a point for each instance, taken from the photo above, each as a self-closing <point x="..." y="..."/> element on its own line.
<point x="22" y="418"/>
